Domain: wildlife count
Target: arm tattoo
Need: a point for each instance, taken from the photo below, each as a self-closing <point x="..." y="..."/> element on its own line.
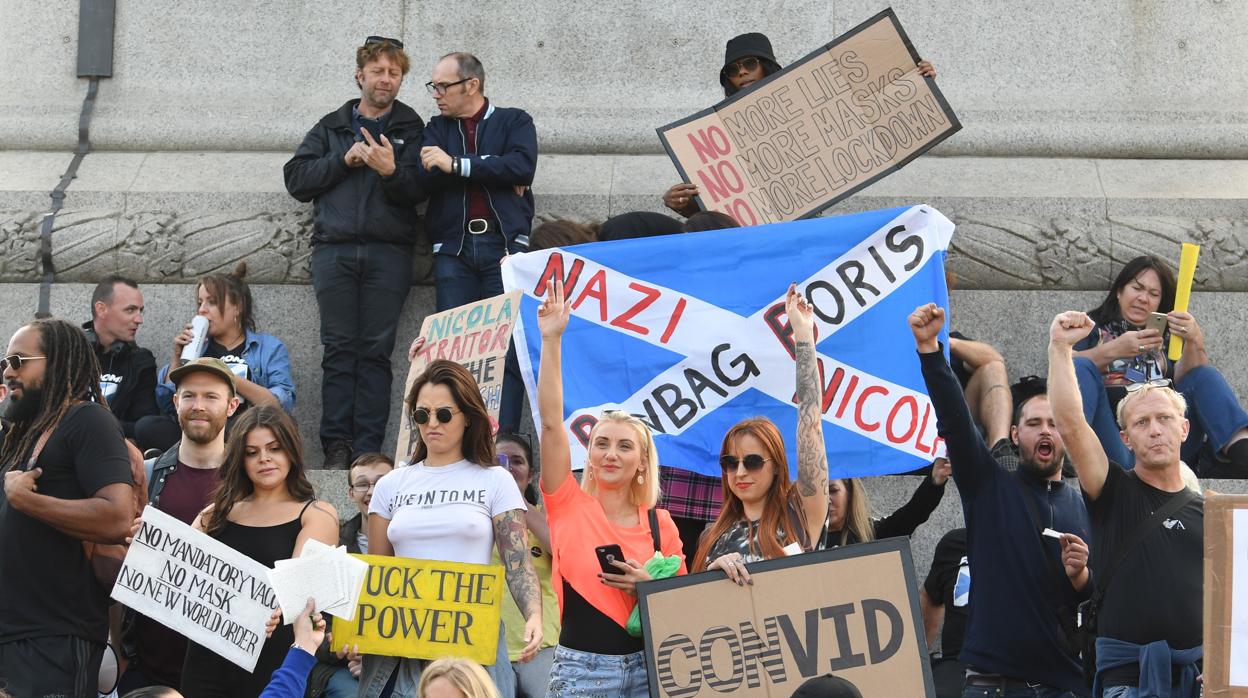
<point x="812" y="458"/>
<point x="513" y="549"/>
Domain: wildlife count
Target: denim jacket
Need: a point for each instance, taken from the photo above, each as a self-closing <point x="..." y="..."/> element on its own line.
<point x="270" y="368"/>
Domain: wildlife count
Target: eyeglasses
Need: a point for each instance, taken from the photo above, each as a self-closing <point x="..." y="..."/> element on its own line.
<point x="420" y="415"/>
<point x="438" y="89"/>
<point x="15" y="360"/>
<point x="749" y="64"/>
<point x="752" y="462"/>
<point x="382" y="40"/>
<point x="1156" y="383"/>
<point x="363" y="487"/>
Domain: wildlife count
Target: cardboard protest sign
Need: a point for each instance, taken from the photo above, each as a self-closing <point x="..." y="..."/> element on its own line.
<point x="198" y="586"/>
<point x="852" y="611"/>
<point x="475" y="336"/>
<point x="688" y="332"/>
<point x="1226" y="596"/>
<point x="426" y="609"/>
<point x="843" y="117"/>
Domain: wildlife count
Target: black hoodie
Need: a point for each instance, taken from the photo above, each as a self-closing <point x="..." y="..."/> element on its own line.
<point x="127" y="379"/>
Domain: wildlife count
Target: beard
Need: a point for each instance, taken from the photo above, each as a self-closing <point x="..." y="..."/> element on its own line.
<point x="26" y="408"/>
<point x="202" y="433"/>
<point x="1027" y="461"/>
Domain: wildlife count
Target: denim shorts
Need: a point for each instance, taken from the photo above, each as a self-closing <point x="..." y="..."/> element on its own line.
<point x="589" y="675"/>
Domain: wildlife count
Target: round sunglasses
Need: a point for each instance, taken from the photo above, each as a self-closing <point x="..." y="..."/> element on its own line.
<point x="420" y="415"/>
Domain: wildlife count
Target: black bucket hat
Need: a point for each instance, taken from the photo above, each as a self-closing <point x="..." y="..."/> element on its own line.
<point x="752" y="44"/>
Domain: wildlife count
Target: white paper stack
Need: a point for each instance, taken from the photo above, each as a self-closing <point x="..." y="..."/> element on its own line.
<point x="322" y="572"/>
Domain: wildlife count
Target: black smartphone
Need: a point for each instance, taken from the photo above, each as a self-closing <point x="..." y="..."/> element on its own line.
<point x="608" y="554"/>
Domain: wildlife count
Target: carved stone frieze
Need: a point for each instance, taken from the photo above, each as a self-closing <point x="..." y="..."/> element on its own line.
<point x="988" y="252"/>
<point x="166" y="247"/>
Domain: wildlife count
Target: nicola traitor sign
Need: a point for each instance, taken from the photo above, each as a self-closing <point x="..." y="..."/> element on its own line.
<point x="846" y="115"/>
<point x="689" y="333"/>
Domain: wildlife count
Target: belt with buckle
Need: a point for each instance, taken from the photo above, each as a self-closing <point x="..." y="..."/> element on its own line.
<point x="995" y="680"/>
<point x="477" y="226"/>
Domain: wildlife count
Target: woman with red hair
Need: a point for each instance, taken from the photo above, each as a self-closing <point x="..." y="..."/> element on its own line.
<point x="765" y="515"/>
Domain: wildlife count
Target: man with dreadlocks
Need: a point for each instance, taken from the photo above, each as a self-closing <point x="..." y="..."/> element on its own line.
<point x="67" y="482"/>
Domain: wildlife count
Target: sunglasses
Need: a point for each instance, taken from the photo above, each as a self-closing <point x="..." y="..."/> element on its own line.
<point x="420" y="415"/>
<point x="16" y="360"/>
<point x="382" y="40"/>
<point x="749" y="64"/>
<point x="752" y="462"/>
<point x="1157" y="383"/>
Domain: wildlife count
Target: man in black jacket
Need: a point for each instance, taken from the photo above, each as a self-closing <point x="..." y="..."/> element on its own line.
<point x="479" y="160"/>
<point x="359" y="165"/>
<point x="1025" y="584"/>
<point x="127" y="371"/>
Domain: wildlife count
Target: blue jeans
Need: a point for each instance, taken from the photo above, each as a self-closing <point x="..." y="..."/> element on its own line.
<point x="472" y="275"/>
<point x="360" y="290"/>
<point x="1099" y="413"/>
<point x="1121" y="692"/>
<point x="1212" y="409"/>
<point x="342" y="685"/>
<point x="576" y="674"/>
<point x="1037" y="691"/>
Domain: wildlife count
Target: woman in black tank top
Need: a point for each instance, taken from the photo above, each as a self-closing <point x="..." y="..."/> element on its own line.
<point x="265" y="509"/>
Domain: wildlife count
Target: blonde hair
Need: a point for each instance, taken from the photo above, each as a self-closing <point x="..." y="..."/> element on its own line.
<point x="1175" y="397"/>
<point x="857" y="512"/>
<point x="467" y="676"/>
<point x="1190" y="481"/>
<point x="645" y="493"/>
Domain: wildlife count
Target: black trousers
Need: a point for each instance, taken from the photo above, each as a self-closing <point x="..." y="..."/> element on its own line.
<point x="360" y="290"/>
<point x="51" y="667"/>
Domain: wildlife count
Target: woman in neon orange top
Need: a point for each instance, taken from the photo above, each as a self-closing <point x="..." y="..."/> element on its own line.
<point x="612" y="506"/>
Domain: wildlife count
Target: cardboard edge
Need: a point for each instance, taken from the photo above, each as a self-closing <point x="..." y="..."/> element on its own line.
<point x="1219" y="533"/>
<point x="900" y="545"/>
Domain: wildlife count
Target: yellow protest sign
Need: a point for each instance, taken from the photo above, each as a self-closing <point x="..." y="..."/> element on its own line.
<point x="425" y="609"/>
<point x="1183" y="292"/>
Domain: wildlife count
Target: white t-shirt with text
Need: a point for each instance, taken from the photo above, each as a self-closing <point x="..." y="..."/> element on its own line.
<point x="447" y="512"/>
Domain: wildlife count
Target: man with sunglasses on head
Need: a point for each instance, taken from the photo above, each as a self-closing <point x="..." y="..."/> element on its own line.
<point x="1026" y="584"/>
<point x="182" y="482"/>
<point x="360" y="167"/>
<point x="479" y="160"/>
<point x="1149" y="530"/>
<point x="67" y="481"/>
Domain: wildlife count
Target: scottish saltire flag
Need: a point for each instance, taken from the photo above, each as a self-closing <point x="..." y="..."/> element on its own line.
<point x="689" y="333"/>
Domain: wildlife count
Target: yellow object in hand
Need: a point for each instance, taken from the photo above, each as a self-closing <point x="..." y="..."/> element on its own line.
<point x="1183" y="292"/>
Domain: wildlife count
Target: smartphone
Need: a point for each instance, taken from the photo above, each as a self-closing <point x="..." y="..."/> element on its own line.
<point x="1156" y="321"/>
<point x="608" y="554"/>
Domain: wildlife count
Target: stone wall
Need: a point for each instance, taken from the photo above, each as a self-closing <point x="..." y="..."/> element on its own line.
<point x="1116" y="78"/>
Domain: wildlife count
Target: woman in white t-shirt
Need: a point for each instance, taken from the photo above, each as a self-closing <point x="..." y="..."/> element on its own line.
<point x="453" y="504"/>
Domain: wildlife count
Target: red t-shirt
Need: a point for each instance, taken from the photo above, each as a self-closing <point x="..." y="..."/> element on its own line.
<point x="478" y="203"/>
<point x="161" y="650"/>
<point x="578" y="525"/>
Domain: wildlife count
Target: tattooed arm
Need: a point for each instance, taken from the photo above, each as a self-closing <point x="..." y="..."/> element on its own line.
<point x="511" y="535"/>
<point x="812" y="457"/>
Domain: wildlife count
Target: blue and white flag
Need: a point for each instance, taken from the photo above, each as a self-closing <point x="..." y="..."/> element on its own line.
<point x="689" y="333"/>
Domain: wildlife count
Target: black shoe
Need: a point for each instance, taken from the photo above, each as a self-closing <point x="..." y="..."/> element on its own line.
<point x="337" y="455"/>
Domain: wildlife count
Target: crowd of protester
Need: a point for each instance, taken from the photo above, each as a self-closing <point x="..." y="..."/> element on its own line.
<point x="224" y="455"/>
